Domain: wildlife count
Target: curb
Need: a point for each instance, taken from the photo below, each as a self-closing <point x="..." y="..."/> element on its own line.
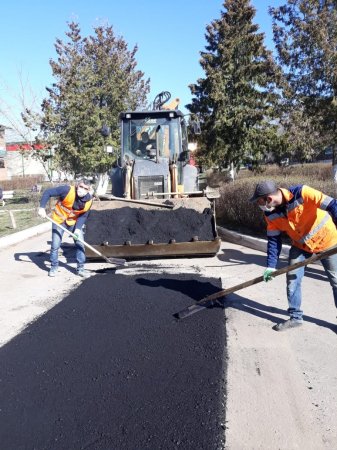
<point x="20" y="236"/>
<point x="249" y="241"/>
<point x="252" y="242"/>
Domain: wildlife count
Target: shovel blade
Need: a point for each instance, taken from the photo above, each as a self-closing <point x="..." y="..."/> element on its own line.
<point x="197" y="307"/>
<point x="192" y="310"/>
<point x="189" y="311"/>
<point x="117" y="261"/>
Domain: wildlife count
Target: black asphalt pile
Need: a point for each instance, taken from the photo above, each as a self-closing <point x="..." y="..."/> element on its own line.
<point x="110" y="368"/>
<point x="138" y="225"/>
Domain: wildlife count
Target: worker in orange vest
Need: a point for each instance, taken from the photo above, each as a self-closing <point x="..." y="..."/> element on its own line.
<point x="71" y="211"/>
<point x="309" y="218"/>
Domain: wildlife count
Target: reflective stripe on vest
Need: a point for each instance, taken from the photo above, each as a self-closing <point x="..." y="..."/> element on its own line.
<point x="63" y="209"/>
<point x="295" y="204"/>
<point x="325" y="202"/>
<point x="276" y="215"/>
<point x="315" y="230"/>
<point x="68" y="212"/>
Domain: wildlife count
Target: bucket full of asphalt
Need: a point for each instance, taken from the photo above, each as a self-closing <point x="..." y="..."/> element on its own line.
<point x="139" y="225"/>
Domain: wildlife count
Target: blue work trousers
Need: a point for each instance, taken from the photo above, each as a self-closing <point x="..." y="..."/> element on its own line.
<point x="56" y="240"/>
<point x="294" y="280"/>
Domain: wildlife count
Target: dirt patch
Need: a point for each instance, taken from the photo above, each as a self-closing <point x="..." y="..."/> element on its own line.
<point x="117" y="226"/>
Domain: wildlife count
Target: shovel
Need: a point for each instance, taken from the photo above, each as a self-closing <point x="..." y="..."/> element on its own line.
<point x="141" y="202"/>
<point x="211" y="299"/>
<point x="115" y="261"/>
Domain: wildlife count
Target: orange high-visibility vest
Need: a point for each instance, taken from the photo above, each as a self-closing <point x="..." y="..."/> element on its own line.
<point x="64" y="211"/>
<point x="305" y="221"/>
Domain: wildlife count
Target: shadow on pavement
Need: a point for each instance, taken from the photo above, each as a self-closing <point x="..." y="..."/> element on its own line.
<point x="262" y="311"/>
<point x="41" y="259"/>
<point x="238" y="258"/>
<point x="193" y="288"/>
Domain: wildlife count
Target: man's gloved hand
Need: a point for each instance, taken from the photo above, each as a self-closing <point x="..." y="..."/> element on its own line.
<point x="42" y="213"/>
<point x="77" y="234"/>
<point x="268" y="274"/>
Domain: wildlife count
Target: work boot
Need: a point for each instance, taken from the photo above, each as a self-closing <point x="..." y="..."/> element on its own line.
<point x="287" y="324"/>
<point x="83" y="273"/>
<point x="52" y="272"/>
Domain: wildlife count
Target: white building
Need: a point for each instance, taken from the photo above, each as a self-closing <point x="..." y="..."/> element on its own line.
<point x="16" y="156"/>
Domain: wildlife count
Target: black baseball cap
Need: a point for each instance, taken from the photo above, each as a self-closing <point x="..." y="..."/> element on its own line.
<point x="262" y="189"/>
<point x="84" y="181"/>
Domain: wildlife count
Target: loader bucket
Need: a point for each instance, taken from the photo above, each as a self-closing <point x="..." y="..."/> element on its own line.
<point x="132" y="231"/>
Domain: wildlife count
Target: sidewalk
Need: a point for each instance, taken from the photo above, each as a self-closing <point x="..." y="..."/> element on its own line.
<point x="282" y="386"/>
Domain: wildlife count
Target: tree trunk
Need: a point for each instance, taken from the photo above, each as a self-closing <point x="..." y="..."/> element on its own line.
<point x="334" y="163"/>
<point x="103" y="182"/>
<point x="232" y="172"/>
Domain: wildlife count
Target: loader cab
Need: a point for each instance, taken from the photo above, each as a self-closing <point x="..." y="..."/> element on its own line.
<point x="150" y="135"/>
<point x="154" y="154"/>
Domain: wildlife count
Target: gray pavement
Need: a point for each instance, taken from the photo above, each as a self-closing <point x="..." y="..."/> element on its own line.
<point x="281" y="387"/>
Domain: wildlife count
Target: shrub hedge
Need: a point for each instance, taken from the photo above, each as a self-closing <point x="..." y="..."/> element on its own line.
<point x="18" y="183"/>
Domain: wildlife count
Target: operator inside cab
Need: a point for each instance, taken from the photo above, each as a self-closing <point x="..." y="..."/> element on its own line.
<point x="145" y="138"/>
<point x="143" y="144"/>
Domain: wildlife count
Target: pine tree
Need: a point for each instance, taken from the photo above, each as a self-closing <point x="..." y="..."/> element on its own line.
<point x="236" y="98"/>
<point x="305" y="34"/>
<point x="96" y="79"/>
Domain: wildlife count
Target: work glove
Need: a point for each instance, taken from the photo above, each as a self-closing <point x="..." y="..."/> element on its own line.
<point x="77" y="234"/>
<point x="268" y="274"/>
<point x="42" y="213"/>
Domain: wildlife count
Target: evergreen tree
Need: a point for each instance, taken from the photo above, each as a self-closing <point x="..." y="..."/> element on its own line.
<point x="305" y="34"/>
<point x="236" y="98"/>
<point x="96" y="79"/>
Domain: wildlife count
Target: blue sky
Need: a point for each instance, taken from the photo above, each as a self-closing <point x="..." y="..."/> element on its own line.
<point x="169" y="35"/>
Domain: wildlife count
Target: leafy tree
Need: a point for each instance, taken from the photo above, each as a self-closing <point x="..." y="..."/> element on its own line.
<point x="96" y="79"/>
<point x="299" y="136"/>
<point x="305" y="34"/>
<point x="236" y="98"/>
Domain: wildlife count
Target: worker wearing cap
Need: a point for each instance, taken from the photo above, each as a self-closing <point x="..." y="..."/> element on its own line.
<point x="309" y="218"/>
<point x="71" y="211"/>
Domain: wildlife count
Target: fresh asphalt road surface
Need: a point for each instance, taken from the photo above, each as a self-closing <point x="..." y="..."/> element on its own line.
<point x="109" y="367"/>
<point x="60" y="352"/>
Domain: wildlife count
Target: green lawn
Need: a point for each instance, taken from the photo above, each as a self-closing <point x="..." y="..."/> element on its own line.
<point x="23" y="208"/>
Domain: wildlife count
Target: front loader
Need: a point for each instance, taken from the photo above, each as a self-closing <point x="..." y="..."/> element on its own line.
<point x="157" y="207"/>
